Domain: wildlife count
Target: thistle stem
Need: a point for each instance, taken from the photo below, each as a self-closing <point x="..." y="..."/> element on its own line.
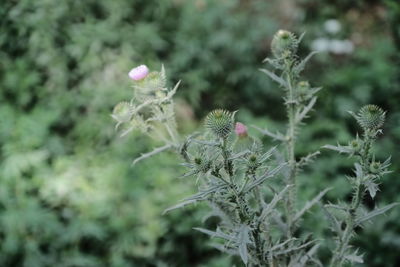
<point x="339" y="253"/>
<point x="290" y="145"/>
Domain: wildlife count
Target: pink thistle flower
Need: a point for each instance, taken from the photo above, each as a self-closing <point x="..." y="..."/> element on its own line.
<point x="241" y="129"/>
<point x="139" y="72"/>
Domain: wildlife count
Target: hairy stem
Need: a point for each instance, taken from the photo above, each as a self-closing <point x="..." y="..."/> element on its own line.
<point x="290" y="146"/>
<point x="339" y="253"/>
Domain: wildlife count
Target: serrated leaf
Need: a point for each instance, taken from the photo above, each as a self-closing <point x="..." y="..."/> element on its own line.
<point x="294" y="248"/>
<point x="267" y="210"/>
<point x="274" y="77"/>
<point x="196" y="197"/>
<point x="333" y="221"/>
<point x="262" y="179"/>
<point x="354" y="258"/>
<point x="179" y="205"/>
<point x="374" y="213"/>
<point x="309" y="204"/>
<point x="372" y="188"/>
<point x="218" y="233"/>
<point x="243" y="240"/>
<point x="339" y="148"/>
<point x="300" y="67"/>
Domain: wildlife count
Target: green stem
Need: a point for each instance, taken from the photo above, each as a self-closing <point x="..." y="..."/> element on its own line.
<point x="339" y="253"/>
<point x="290" y="145"/>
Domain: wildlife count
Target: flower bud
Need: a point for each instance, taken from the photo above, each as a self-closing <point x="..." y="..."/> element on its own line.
<point x="303" y="89"/>
<point x="371" y="117"/>
<point x="220" y="122"/>
<point x="253" y="163"/>
<point x="139" y="72"/>
<point x="122" y="112"/>
<point x="241" y="130"/>
<point x="202" y="165"/>
<point x="356" y="145"/>
<point x="284" y="44"/>
<point x="375" y="167"/>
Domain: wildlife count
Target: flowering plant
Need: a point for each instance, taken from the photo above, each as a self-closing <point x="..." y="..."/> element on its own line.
<point x="258" y="219"/>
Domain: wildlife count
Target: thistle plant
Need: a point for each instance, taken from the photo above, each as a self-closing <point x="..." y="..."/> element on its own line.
<point x="250" y="188"/>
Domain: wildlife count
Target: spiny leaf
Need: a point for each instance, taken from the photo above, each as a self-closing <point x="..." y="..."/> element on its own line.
<point x="264" y="177"/>
<point x="266" y="211"/>
<point x="243" y="240"/>
<point x="375" y="212"/>
<point x="339" y="148"/>
<point x="300" y="67"/>
<point x="274" y="77"/>
<point x="309" y="204"/>
<point x="218" y="233"/>
<point x="196" y="197"/>
<point x="354" y="257"/>
<point x="333" y="221"/>
<point x="179" y="205"/>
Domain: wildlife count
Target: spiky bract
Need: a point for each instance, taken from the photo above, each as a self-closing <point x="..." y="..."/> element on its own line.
<point x="371" y="117"/>
<point x="220" y="122"/>
<point x="284" y="44"/>
<point x="122" y="112"/>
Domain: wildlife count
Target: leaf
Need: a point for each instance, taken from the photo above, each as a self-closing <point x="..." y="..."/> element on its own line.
<point x="300" y="67"/>
<point x="294" y="248"/>
<point x="218" y="233"/>
<point x="152" y="153"/>
<point x="339" y="148"/>
<point x="179" y="205"/>
<point x="333" y="221"/>
<point x="372" y="188"/>
<point x="274" y="77"/>
<point x="354" y="258"/>
<point x="308" y="255"/>
<point x="264" y="177"/>
<point x="309" y="204"/>
<point x="374" y="213"/>
<point x="222" y="248"/>
<point x="266" y="211"/>
<point x="303" y="114"/>
<point x="196" y="197"/>
<point x="278" y="136"/>
<point x="243" y="240"/>
<point x="304" y="258"/>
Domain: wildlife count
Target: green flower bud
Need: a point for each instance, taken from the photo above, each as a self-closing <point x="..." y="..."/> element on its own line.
<point x="149" y="86"/>
<point x="202" y="165"/>
<point x="303" y="90"/>
<point x="375" y="167"/>
<point x="371" y="117"/>
<point x="122" y="112"/>
<point x="220" y="122"/>
<point x="356" y="145"/>
<point x="284" y="44"/>
<point x="253" y="162"/>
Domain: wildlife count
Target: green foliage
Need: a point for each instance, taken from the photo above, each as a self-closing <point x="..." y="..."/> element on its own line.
<point x="63" y="64"/>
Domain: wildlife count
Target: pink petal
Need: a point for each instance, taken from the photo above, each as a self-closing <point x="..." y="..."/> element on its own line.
<point x="139" y="72"/>
<point x="240" y="129"/>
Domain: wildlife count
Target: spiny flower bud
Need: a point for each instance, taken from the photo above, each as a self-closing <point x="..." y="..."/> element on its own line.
<point x="122" y="112"/>
<point x="220" y="122"/>
<point x="284" y="44"/>
<point x="139" y="72"/>
<point x="153" y="81"/>
<point x="303" y="89"/>
<point x="375" y="167"/>
<point x="202" y="165"/>
<point x="241" y="129"/>
<point x="253" y="162"/>
<point x="371" y="117"/>
<point x="356" y="145"/>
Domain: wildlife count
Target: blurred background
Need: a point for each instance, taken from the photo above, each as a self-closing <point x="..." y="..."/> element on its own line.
<point x="68" y="193"/>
